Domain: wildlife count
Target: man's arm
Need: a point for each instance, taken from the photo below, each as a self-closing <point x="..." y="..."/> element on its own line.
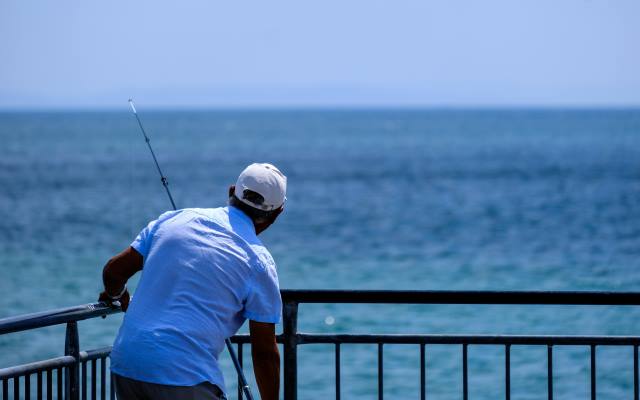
<point x="117" y="272"/>
<point x="266" y="359"/>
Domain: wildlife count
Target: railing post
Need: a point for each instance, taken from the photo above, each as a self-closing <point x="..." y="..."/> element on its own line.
<point x="290" y="332"/>
<point x="72" y="348"/>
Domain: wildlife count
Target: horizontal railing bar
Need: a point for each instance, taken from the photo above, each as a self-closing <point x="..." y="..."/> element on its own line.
<point x="305" y="338"/>
<point x="53" y="363"/>
<point x="86" y="311"/>
<point x="309" y="338"/>
<point x="462" y="297"/>
<point x="95" y="354"/>
<point x="54" y="317"/>
<point x="34" y="367"/>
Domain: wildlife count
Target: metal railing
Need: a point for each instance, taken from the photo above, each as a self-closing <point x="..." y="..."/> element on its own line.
<point x="71" y="370"/>
<point x="291" y="338"/>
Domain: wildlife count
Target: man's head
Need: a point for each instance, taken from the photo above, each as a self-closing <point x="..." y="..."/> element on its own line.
<point x="260" y="192"/>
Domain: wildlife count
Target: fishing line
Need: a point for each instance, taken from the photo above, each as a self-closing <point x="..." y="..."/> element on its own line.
<point x="243" y="381"/>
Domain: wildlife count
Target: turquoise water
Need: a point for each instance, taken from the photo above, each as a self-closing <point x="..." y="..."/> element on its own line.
<point x="536" y="200"/>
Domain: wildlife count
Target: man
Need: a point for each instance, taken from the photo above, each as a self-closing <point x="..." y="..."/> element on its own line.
<point x="204" y="272"/>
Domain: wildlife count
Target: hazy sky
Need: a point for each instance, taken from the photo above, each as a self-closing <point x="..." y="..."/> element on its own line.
<point x="319" y="53"/>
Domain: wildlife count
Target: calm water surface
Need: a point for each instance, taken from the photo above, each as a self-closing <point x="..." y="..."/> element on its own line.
<point x="536" y="200"/>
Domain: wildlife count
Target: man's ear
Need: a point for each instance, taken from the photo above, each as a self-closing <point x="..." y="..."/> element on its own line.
<point x="232" y="190"/>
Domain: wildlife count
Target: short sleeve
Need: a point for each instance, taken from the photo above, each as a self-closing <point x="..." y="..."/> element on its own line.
<point x="142" y="243"/>
<point x="263" y="302"/>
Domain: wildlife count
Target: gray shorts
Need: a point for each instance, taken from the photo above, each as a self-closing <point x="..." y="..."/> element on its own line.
<point x="131" y="389"/>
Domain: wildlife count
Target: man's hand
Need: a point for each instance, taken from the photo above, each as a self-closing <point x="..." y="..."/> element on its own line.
<point x="116" y="273"/>
<point x="124" y="300"/>
<point x="266" y="359"/>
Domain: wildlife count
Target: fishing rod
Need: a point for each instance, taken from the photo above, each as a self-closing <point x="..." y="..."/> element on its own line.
<point x="243" y="381"/>
<point x="163" y="178"/>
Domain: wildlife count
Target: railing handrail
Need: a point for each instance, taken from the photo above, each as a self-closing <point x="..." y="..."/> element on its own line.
<point x="54" y="317"/>
<point x="462" y="297"/>
<point x="92" y="310"/>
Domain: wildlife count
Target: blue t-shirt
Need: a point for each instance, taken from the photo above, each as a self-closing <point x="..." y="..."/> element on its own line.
<point x="205" y="271"/>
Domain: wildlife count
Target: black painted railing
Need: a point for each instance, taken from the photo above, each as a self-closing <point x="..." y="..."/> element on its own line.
<point x="68" y="376"/>
<point x="291" y="338"/>
<point x="61" y="377"/>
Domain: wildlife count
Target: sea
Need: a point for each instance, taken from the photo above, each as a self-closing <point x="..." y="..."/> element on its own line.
<point x="442" y="199"/>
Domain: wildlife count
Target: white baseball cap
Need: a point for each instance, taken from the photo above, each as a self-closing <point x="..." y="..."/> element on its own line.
<point x="266" y="180"/>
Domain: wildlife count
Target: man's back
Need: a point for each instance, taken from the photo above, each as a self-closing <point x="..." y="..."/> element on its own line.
<point x="205" y="272"/>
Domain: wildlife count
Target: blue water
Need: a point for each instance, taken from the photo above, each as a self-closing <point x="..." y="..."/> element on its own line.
<point x="519" y="199"/>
